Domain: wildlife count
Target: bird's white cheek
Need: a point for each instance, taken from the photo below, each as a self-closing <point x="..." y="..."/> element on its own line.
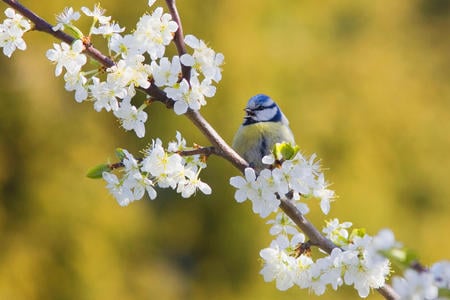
<point x="267" y="114"/>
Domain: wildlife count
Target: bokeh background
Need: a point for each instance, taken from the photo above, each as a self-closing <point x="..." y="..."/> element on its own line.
<point x="365" y="84"/>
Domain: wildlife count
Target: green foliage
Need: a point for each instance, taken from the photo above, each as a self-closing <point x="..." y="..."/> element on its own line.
<point x="285" y="151"/>
<point x="120" y="153"/>
<point x="97" y="171"/>
<point x="357" y="232"/>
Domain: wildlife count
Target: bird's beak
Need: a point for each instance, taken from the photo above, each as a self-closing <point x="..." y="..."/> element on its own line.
<point x="249" y="112"/>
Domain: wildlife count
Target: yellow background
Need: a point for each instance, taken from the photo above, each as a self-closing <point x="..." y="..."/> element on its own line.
<point x="365" y="85"/>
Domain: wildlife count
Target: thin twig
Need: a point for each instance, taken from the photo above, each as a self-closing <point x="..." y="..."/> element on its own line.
<point x="206" y="151"/>
<point x="223" y="149"/>
<point x="388" y="292"/>
<point x="117" y="165"/>
<point x="178" y="38"/>
<point x="316" y="238"/>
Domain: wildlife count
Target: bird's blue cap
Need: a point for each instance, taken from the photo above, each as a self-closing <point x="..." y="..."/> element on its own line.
<point x="259" y="100"/>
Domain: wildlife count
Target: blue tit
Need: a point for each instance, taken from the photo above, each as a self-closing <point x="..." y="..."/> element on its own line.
<point x="264" y="125"/>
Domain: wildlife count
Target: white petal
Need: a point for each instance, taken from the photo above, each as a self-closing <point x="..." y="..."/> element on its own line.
<point x="187" y="60"/>
<point x="237" y="181"/>
<point x="180" y="107"/>
<point x="240" y="196"/>
<point x="191" y="41"/>
<point x="205" y="188"/>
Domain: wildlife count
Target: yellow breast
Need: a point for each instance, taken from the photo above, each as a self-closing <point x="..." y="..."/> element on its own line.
<point x="255" y="141"/>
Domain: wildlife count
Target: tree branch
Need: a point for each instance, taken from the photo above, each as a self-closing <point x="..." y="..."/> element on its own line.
<point x="388" y="292"/>
<point x="316" y="238"/>
<point x="206" y="151"/>
<point x="178" y="39"/>
<point x="222" y="148"/>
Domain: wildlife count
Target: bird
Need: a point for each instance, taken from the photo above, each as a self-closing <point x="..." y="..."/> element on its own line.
<point x="264" y="125"/>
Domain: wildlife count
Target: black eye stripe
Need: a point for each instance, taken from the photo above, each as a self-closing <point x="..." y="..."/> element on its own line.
<point x="264" y="107"/>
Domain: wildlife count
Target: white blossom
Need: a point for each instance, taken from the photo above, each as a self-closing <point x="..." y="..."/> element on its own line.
<point x="108" y="29"/>
<point x="385" y="240"/>
<point x="154" y="32"/>
<point x="166" y="73"/>
<point x="204" y="59"/>
<point x="96" y="14"/>
<point x="11" y="32"/>
<point x="130" y="163"/>
<point x="77" y="82"/>
<point x="126" y="45"/>
<point x="181" y="95"/>
<point x="159" y="167"/>
<point x="282" y="224"/>
<point x="278" y="266"/>
<point x="191" y="184"/>
<point x="264" y="201"/>
<point x="130" y="71"/>
<point x="415" y="286"/>
<point x="363" y="270"/>
<point x="178" y="145"/>
<point x="189" y="95"/>
<point x="297" y="177"/>
<point x="167" y="168"/>
<point x="66" y="18"/>
<point x="441" y="274"/>
<point x="67" y="56"/>
<point x="193" y="162"/>
<point x="120" y="191"/>
<point x="131" y="118"/>
<point x="337" y="232"/>
<point x="105" y="94"/>
<point x="325" y="195"/>
<point x="244" y="186"/>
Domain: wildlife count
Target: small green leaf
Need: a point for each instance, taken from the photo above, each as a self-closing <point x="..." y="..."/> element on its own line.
<point x="97" y="171"/>
<point x="120" y="154"/>
<point x="285" y="151"/>
<point x="358" y="232"/>
<point x="74" y="31"/>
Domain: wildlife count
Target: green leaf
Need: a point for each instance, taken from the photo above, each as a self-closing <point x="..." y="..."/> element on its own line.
<point x="97" y="171"/>
<point x="120" y="154"/>
<point x="74" y="31"/>
<point x="357" y="232"/>
<point x="285" y="151"/>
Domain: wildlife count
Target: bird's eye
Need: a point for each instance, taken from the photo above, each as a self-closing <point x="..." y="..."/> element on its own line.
<point x="259" y="108"/>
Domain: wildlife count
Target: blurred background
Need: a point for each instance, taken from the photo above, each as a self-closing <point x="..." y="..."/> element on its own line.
<point x="365" y="85"/>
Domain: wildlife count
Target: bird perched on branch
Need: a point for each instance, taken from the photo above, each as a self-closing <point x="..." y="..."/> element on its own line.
<point x="264" y="125"/>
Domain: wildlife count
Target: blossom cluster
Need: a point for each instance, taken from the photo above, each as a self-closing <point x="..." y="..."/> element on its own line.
<point x="357" y="262"/>
<point x="160" y="167"/>
<point x="139" y="61"/>
<point x="424" y="284"/>
<point x="11" y="32"/>
<point x="298" y="176"/>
